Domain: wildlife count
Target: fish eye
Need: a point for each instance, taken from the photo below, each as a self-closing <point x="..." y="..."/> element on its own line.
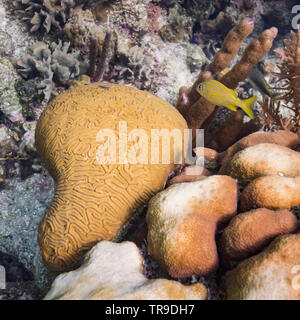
<point x="200" y="86"/>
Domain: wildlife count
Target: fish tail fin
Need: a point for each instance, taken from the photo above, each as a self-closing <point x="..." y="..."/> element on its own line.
<point x="246" y="106"/>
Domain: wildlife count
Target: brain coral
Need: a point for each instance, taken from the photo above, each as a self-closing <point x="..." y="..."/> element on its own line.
<point x="92" y="200"/>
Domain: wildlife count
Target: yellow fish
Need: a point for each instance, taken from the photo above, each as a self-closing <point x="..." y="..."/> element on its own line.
<point x="216" y="93"/>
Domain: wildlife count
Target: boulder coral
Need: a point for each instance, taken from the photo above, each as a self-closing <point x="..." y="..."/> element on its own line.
<point x="264" y="159"/>
<point x="272" y="192"/>
<point x="97" y="188"/>
<point x="182" y="221"/>
<point x="284" y="138"/>
<point x="271" y="275"/>
<point x="249" y="232"/>
<point x="113" y="271"/>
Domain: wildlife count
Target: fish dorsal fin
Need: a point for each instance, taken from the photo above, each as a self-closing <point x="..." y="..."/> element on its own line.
<point x="220" y="84"/>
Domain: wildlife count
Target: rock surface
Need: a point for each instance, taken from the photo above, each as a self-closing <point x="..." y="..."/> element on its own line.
<point x="182" y="221"/>
<point x="272" y="192"/>
<point x="250" y="232"/>
<point x="22" y="205"/>
<point x="271" y="275"/>
<point x="264" y="159"/>
<point x="113" y="271"/>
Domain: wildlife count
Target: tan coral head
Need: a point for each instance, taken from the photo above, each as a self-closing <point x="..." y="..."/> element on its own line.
<point x="92" y="200"/>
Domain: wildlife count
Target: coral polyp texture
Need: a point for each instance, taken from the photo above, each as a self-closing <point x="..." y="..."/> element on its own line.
<point x="92" y="200"/>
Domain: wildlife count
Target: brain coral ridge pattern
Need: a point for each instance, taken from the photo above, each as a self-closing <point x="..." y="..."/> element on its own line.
<point x="93" y="201"/>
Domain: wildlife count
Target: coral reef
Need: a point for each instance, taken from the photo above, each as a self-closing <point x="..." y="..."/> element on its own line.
<point x="158" y="46"/>
<point x="182" y="222"/>
<point x="113" y="271"/>
<point x="270" y="275"/>
<point x="105" y="194"/>
<point x="53" y="64"/>
<point x="248" y="233"/>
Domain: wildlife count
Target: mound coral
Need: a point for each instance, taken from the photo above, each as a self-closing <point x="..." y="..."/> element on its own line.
<point x="197" y="110"/>
<point x="280" y="137"/>
<point x="45" y="15"/>
<point x="52" y="64"/>
<point x="93" y="198"/>
<point x="272" y="192"/>
<point x="249" y="232"/>
<point x="114" y="271"/>
<point x="182" y="221"/>
<point x="263" y="159"/>
<point x="270" y="275"/>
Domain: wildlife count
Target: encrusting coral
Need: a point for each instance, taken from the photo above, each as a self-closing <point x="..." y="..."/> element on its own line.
<point x="52" y="64"/>
<point x="94" y="199"/>
<point x="197" y="110"/>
